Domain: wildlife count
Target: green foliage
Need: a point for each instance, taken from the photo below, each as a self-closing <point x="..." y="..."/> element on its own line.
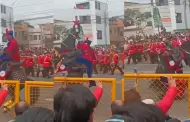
<point x="19" y="22"/>
<point x="136" y="17"/>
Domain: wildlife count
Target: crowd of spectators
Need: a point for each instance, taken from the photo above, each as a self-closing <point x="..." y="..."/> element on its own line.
<point x="76" y="103"/>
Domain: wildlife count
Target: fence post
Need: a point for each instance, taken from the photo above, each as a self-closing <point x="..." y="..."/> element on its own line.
<point x="113" y="90"/>
<point x="188" y="87"/>
<point x="122" y="89"/>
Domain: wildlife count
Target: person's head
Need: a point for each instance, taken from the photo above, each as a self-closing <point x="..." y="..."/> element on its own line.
<point x="139" y="111"/>
<point x="21" y="107"/>
<point x="36" y="114"/>
<point x="75" y="103"/>
<point x="116" y="107"/>
<point x="131" y="96"/>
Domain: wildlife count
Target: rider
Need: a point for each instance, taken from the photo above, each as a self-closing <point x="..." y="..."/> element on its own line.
<point x="87" y="58"/>
<point x="12" y="47"/>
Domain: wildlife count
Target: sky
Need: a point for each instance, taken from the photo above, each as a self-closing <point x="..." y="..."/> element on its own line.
<point x="24" y="8"/>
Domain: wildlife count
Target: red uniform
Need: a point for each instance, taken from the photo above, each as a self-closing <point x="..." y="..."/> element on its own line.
<point x="106" y="59"/>
<point x="131" y="49"/>
<point x="46" y="61"/>
<point x="30" y="62"/>
<point x="116" y="59"/>
<point x="153" y="48"/>
<point x="13" y="50"/>
<point x="87" y="51"/>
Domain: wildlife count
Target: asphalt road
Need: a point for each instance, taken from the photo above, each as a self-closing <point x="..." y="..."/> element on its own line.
<point x="179" y="108"/>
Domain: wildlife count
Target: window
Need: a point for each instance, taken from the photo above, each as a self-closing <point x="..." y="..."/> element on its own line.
<point x="35" y="37"/>
<point x="3" y="23"/>
<point x="85" y="19"/>
<point x="15" y="34"/>
<point x="118" y="31"/>
<point x="97" y="6"/>
<point x="4" y="37"/>
<point x="121" y="33"/>
<point x="39" y="37"/>
<point x="99" y="34"/>
<point x="115" y="31"/>
<point x="178" y="18"/>
<point x="3" y="9"/>
<point x="98" y="19"/>
<point x="30" y="38"/>
<point x="25" y="37"/>
<point x="149" y="23"/>
<point x="177" y="2"/>
<point x="83" y="6"/>
<point x="161" y="2"/>
<point x="110" y="31"/>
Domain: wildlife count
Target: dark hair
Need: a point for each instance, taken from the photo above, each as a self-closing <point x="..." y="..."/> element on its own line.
<point x="116" y="109"/>
<point x="36" y="114"/>
<point x="131" y="96"/>
<point x="21" y="107"/>
<point x="75" y="103"/>
<point x="140" y="111"/>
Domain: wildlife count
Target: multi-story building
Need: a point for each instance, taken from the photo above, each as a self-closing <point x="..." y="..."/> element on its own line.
<point x="93" y="18"/>
<point x="6" y="16"/>
<point x="21" y="34"/>
<point x="133" y="29"/>
<point x="116" y="31"/>
<point x="173" y="14"/>
<point x="37" y="32"/>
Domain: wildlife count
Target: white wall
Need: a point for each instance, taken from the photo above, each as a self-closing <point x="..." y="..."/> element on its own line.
<point x="9" y="21"/>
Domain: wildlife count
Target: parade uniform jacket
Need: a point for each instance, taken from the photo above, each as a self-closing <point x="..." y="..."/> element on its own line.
<point x="47" y="61"/>
<point x="107" y="59"/>
<point x="87" y="52"/>
<point x="115" y="58"/>
<point x="131" y="49"/>
<point x="161" y="47"/>
<point x="153" y="48"/>
<point x="30" y="61"/>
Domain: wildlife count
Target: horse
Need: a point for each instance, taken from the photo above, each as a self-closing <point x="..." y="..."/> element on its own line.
<point x="171" y="63"/>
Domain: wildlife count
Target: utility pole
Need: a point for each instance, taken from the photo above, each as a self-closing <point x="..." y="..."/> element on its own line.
<point x="105" y="23"/>
<point x="185" y="14"/>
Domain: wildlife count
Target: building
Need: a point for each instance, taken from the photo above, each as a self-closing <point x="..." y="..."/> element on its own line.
<point x="36" y="31"/>
<point x="132" y="29"/>
<point x="93" y="18"/>
<point x="35" y="37"/>
<point x="6" y="16"/>
<point x="173" y="15"/>
<point x="21" y="34"/>
<point x="116" y="31"/>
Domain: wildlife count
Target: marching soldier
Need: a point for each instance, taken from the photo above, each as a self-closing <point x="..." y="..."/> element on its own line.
<point x="47" y="63"/>
<point x="40" y="65"/>
<point x="116" y="63"/>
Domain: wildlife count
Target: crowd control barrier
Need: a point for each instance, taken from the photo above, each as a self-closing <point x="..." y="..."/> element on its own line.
<point x="155" y="86"/>
<point x="13" y="94"/>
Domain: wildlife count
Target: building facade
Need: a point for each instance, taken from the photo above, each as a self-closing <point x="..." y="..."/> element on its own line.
<point x="93" y="18"/>
<point x="116" y="31"/>
<point x="132" y="29"/>
<point x="173" y="14"/>
<point x="6" y="16"/>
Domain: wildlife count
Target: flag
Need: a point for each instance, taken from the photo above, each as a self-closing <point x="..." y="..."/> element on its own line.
<point x="157" y="17"/>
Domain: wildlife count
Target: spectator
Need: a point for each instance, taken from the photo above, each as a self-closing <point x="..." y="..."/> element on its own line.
<point x="139" y="112"/>
<point x="76" y="103"/>
<point x="117" y="112"/>
<point x="164" y="104"/>
<point x="20" y="108"/>
<point x="36" y="114"/>
<point x="3" y="93"/>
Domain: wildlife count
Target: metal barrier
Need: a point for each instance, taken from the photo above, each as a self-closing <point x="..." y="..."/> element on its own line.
<point x="150" y="86"/>
<point x="13" y="94"/>
<point x="37" y="93"/>
<point x="109" y="86"/>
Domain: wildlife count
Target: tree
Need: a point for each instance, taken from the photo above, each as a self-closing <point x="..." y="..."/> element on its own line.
<point x="135" y="17"/>
<point x="19" y="22"/>
<point x="61" y="32"/>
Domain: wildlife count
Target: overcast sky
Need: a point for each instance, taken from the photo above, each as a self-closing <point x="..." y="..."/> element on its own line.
<point x="35" y="7"/>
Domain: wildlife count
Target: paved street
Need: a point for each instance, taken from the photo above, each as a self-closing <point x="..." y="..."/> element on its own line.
<point x="102" y="111"/>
